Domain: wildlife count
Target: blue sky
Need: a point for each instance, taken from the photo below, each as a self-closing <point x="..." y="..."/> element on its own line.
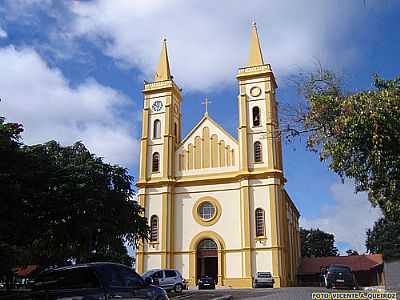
<point x="74" y="70"/>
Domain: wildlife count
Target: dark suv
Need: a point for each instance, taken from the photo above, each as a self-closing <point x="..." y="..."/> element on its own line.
<point x="339" y="276"/>
<point x="92" y="281"/>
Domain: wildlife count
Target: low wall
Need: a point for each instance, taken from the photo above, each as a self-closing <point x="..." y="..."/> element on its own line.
<point x="392" y="274"/>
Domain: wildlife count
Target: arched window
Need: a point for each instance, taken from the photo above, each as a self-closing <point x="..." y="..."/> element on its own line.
<point x="176" y="132"/>
<point x="260" y="226"/>
<point x="256" y="116"/>
<point x="157" y="129"/>
<point x="257" y="152"/>
<point x="153" y="228"/>
<point x="156" y="163"/>
<point x="207" y="244"/>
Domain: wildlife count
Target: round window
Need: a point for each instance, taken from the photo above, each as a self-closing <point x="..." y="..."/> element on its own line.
<point x="206" y="211"/>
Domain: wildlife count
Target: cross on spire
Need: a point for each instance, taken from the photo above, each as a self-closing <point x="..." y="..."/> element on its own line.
<point x="255" y="55"/>
<point x="163" y="72"/>
<point x="206" y="102"/>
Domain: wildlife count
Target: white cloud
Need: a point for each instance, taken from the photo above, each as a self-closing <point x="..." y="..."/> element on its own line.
<point x="348" y="218"/>
<point x="208" y="40"/>
<point x="3" y="33"/>
<point x="50" y="108"/>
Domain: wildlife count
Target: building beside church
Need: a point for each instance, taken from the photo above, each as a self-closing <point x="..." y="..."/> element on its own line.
<point x="216" y="204"/>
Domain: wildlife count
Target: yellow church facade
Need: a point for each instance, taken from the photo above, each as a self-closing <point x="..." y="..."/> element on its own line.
<point x="217" y="205"/>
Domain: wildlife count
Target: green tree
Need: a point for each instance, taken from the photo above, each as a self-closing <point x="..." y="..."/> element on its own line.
<point x="12" y="163"/>
<point x="317" y="243"/>
<point x="357" y="133"/>
<point x="83" y="207"/>
<point x="60" y="203"/>
<point x="384" y="237"/>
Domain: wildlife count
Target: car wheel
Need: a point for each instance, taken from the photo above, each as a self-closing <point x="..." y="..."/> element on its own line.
<point x="178" y="288"/>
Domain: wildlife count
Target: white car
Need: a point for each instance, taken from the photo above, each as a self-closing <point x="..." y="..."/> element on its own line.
<point x="168" y="279"/>
<point x="263" y="279"/>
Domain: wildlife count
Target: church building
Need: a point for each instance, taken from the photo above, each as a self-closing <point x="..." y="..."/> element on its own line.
<point x="217" y="204"/>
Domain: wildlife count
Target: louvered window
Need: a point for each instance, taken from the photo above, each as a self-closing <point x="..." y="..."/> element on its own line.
<point x="257" y="152"/>
<point x="156" y="163"/>
<point x="154" y="228"/>
<point x="260" y="226"/>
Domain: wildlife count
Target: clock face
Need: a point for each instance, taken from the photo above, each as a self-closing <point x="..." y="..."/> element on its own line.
<point x="157" y="106"/>
<point x="255" y="91"/>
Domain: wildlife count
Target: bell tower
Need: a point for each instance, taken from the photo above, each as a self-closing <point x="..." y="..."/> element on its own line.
<point x="161" y="129"/>
<point x="161" y="132"/>
<point x="261" y="154"/>
<point x="258" y="121"/>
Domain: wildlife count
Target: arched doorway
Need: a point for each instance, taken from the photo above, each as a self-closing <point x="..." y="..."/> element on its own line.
<point x="207" y="259"/>
<point x="193" y="247"/>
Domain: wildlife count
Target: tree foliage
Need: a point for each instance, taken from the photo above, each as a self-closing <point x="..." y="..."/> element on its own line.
<point x="384" y="238"/>
<point x="60" y="203"/>
<point x="12" y="162"/>
<point x="358" y="133"/>
<point x="317" y="243"/>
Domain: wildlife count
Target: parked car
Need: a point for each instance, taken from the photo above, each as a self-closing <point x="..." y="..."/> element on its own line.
<point x="263" y="279"/>
<point x="340" y="276"/>
<point x="206" y="282"/>
<point x="168" y="279"/>
<point x="91" y="281"/>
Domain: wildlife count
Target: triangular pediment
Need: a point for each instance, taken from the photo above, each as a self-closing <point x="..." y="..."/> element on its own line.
<point x="207" y="121"/>
<point x="207" y="146"/>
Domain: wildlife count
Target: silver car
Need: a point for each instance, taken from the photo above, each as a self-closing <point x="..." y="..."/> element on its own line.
<point x="263" y="279"/>
<point x="168" y="279"/>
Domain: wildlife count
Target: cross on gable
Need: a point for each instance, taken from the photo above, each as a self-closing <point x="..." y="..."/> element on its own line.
<point x="206" y="102"/>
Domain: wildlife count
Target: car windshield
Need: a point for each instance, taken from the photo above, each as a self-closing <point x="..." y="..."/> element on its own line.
<point x="69" y="278"/>
<point x="264" y="275"/>
<point x="339" y="269"/>
<point x="148" y="273"/>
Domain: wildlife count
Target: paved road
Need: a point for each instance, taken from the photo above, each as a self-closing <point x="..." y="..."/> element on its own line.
<point x="293" y="293"/>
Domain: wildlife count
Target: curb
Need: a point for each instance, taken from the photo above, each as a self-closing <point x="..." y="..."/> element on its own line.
<point x="227" y="297"/>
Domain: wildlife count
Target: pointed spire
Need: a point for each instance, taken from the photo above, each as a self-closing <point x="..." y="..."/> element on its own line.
<point x="255" y="57"/>
<point x="163" y="72"/>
